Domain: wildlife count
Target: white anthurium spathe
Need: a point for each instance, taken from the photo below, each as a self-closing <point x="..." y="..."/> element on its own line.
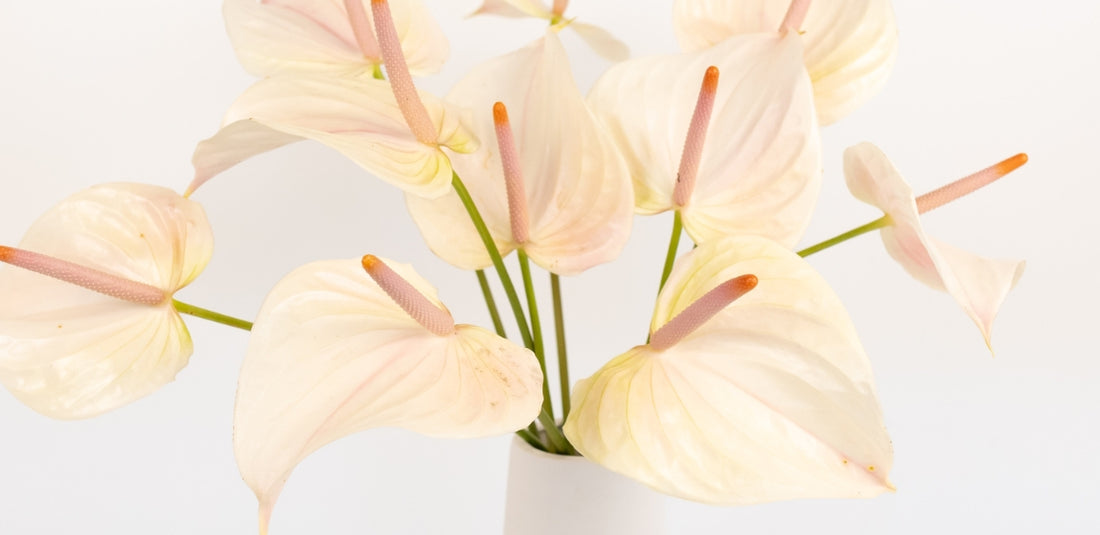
<point x="319" y="36"/>
<point x="772" y="398"/>
<point x="600" y="40"/>
<point x="760" y="168"/>
<point x="104" y="332"/>
<point x="850" y="45"/>
<point x="332" y="353"/>
<point x="978" y="284"/>
<point x="358" y="117"/>
<point x="578" y="189"/>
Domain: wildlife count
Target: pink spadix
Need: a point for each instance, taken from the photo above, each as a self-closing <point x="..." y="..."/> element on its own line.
<point x="559" y="7"/>
<point x="360" y="26"/>
<point x="796" y="13"/>
<point x="433" y="318"/>
<point x="85" y="277"/>
<point x="702" y="310"/>
<point x="696" y="137"/>
<point x="412" y="108"/>
<point x="513" y="174"/>
<point x="969" y="184"/>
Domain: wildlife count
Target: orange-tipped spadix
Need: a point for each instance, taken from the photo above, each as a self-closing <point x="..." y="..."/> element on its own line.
<point x="86" y="277"/>
<point x="513" y="174"/>
<point x="434" y="319"/>
<point x="701" y="310"/>
<point x="696" y="137"/>
<point x="969" y="184"/>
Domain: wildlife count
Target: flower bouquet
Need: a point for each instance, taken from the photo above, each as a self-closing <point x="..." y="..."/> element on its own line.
<point x="750" y="384"/>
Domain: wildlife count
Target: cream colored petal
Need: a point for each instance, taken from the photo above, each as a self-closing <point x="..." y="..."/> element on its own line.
<point x="850" y="44"/>
<point x="69" y="352"/>
<point x="977" y="283"/>
<point x="357" y="117"/>
<point x="315" y="36"/>
<point x="514" y="8"/>
<point x="760" y="169"/>
<point x="772" y="399"/>
<point x="578" y="187"/>
<point x="600" y="40"/>
<point x="331" y="354"/>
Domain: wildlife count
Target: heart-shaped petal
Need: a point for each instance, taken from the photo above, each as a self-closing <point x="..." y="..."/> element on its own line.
<point x="332" y="354"/>
<point x="316" y="36"/>
<point x="978" y="284"/>
<point x="577" y="186"/>
<point x="771" y="399"/>
<point x="850" y="45"/>
<point x="69" y="352"/>
<point x="760" y="169"/>
<point x="359" y="118"/>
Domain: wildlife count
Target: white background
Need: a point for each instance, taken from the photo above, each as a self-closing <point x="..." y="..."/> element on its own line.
<point x="114" y="90"/>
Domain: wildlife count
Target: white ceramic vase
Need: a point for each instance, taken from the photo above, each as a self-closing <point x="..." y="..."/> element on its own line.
<point x="558" y="495"/>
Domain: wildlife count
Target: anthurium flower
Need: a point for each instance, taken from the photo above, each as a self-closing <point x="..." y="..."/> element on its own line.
<point x="850" y="45"/>
<point x="388" y="128"/>
<point x="360" y="118"/>
<point x="599" y="39"/>
<point x="768" y="398"/>
<point x="335" y="351"/>
<point x="87" y="322"/>
<point x="328" y="36"/>
<point x="978" y="284"/>
<point x="577" y="192"/>
<point x="759" y="169"/>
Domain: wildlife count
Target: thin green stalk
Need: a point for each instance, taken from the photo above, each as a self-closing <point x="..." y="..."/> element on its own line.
<point x="494" y="254"/>
<point x="673" y="246"/>
<point x="536" y="328"/>
<point x="563" y="358"/>
<point x="490" y="303"/>
<point x="883" y="221"/>
<point x="210" y="315"/>
<point x="377" y="74"/>
<point x="558" y="442"/>
<point x="531" y="438"/>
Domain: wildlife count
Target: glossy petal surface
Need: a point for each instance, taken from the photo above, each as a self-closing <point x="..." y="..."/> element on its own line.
<point x="760" y="170"/>
<point x="771" y="399"/>
<point x="357" y="117"/>
<point x="331" y="354"/>
<point x="69" y="352"/>
<point x="850" y="44"/>
<point x="315" y="36"/>
<point x="578" y="187"/>
<point x="515" y="8"/>
<point x="977" y="283"/>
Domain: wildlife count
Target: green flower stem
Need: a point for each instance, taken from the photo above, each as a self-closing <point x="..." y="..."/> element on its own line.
<point x="881" y="222"/>
<point x="558" y="443"/>
<point x="673" y="246"/>
<point x="531" y="438"/>
<point x="536" y="328"/>
<point x="216" y="317"/>
<point x="563" y="357"/>
<point x="490" y="303"/>
<point x="494" y="254"/>
<point x="376" y="72"/>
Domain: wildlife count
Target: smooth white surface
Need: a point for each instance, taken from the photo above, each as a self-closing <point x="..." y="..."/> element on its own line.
<point x="582" y="498"/>
<point x="122" y="90"/>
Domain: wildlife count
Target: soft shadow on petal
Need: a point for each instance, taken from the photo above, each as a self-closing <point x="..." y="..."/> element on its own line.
<point x="850" y="45"/>
<point x="978" y="284"/>
<point x="315" y="36"/>
<point x="772" y="399"/>
<point x="69" y="352"/>
<point x="760" y="169"/>
<point x="357" y="117"/>
<point x="578" y="187"/>
<point x="331" y="354"/>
